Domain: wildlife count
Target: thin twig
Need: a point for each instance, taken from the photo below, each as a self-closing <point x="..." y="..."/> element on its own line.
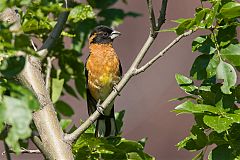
<point x="160" y="54"/>
<point x="151" y="18"/>
<point x="130" y="73"/>
<point x="34" y="46"/>
<point x="162" y="15"/>
<point x="62" y="18"/>
<point x="48" y="72"/>
<point x="23" y="150"/>
<point x="7" y="151"/>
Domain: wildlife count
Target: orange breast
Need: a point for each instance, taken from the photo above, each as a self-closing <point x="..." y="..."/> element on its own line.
<point x="103" y="70"/>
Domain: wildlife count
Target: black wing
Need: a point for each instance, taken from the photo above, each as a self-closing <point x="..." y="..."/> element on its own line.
<point x="91" y="102"/>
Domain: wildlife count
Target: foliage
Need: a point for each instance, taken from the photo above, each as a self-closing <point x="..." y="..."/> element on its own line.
<point x="214" y="102"/>
<point x="90" y="147"/>
<point x="36" y="20"/>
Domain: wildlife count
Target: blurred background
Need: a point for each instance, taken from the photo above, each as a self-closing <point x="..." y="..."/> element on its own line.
<point x="146" y="97"/>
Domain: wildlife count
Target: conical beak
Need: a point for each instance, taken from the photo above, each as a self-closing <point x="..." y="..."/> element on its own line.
<point x="115" y="34"/>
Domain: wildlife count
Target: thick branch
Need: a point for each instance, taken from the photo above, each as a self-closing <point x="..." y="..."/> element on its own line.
<point x="51" y="144"/>
<point x="131" y="72"/>
<point x="160" y="54"/>
<point x="57" y="30"/>
<point x="48" y="72"/>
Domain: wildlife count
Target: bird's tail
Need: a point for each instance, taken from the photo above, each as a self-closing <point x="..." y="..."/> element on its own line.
<point x="106" y="126"/>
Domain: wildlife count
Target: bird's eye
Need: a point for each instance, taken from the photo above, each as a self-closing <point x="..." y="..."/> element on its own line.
<point x="105" y="34"/>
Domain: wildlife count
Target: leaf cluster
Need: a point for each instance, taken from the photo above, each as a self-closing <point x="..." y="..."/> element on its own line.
<point x="214" y="101"/>
<point x="90" y="147"/>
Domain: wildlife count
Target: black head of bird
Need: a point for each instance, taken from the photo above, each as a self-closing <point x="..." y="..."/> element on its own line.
<point x="103" y="34"/>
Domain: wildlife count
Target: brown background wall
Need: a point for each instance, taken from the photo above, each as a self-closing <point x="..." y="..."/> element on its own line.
<point x="146" y="97"/>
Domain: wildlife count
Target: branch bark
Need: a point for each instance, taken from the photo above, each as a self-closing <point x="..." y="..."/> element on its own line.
<point x="54" y="35"/>
<point x="51" y="142"/>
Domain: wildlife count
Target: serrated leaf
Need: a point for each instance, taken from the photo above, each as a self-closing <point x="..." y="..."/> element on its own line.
<point x="57" y="86"/>
<point x="226" y="72"/>
<point x="185" y="83"/>
<point x="219" y="124"/>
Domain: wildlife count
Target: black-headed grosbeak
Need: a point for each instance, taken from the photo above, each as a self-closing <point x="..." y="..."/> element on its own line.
<point x="103" y="71"/>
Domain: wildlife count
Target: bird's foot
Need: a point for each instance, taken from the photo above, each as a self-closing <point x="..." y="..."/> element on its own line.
<point x="116" y="90"/>
<point x="100" y="109"/>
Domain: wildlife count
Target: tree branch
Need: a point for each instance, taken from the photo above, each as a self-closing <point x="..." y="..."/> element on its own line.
<point x="131" y="72"/>
<point x="151" y="18"/>
<point x="7" y="151"/>
<point x="162" y="15"/>
<point x="51" y="144"/>
<point x="160" y="54"/>
<point x="48" y="72"/>
<point x="57" y="30"/>
<point x="23" y="150"/>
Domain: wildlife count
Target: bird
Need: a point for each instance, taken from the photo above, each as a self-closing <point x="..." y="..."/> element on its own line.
<point x="103" y="71"/>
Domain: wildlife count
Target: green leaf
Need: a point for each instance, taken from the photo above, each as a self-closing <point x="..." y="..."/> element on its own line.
<point x="226" y="72"/>
<point x="204" y="67"/>
<point x="80" y="13"/>
<point x="221" y="152"/>
<point x="101" y="4"/>
<point x="119" y="119"/>
<point x="64" y="108"/>
<point x="210" y="17"/>
<point x="230" y="10"/>
<point x="217" y="138"/>
<point x="8" y="66"/>
<point x="57" y="86"/>
<point x="36" y="25"/>
<point x="190" y="107"/>
<point x="196" y="141"/>
<point x="203" y="44"/>
<point x="227" y="35"/>
<point x="232" y="54"/>
<point x="219" y="124"/>
<point x="200" y="16"/>
<point x="185" y="83"/>
<point x="185" y="25"/>
<point x="19" y="116"/>
<point x="65" y="123"/>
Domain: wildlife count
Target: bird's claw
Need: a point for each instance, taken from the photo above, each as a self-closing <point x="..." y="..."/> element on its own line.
<point x="116" y="90"/>
<point x="100" y="108"/>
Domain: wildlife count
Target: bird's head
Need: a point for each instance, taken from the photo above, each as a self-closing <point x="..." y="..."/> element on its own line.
<point x="103" y="35"/>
